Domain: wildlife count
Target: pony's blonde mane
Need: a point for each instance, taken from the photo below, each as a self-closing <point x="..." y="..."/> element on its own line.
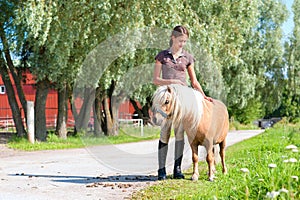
<point x="160" y="97"/>
<point x="188" y="106"/>
<point x="186" y="103"/>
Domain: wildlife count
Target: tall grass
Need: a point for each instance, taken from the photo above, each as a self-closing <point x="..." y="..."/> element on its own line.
<point x="259" y="168"/>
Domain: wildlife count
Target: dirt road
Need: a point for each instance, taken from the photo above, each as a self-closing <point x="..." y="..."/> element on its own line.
<point x="101" y="172"/>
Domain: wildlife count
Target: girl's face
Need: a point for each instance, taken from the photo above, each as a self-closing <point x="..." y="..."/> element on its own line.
<point x="179" y="42"/>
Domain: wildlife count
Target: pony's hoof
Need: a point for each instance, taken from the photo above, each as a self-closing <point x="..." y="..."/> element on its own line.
<point x="211" y="178"/>
<point x="214" y="170"/>
<point x="195" y="177"/>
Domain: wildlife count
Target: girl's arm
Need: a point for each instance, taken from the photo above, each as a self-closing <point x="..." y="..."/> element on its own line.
<point x="195" y="84"/>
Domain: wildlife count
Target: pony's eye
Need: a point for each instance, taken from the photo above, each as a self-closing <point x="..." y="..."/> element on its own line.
<point x="167" y="102"/>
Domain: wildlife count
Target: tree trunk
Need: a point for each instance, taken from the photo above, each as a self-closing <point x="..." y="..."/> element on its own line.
<point x="111" y="128"/>
<point x="114" y="107"/>
<point x="147" y="106"/>
<point x="82" y="120"/>
<point x="13" y="71"/>
<point x="110" y="111"/>
<point x="39" y="111"/>
<point x="12" y="100"/>
<point x="98" y="117"/>
<point x="143" y="113"/>
<point x="61" y="125"/>
<point x="136" y="108"/>
<point x="104" y="121"/>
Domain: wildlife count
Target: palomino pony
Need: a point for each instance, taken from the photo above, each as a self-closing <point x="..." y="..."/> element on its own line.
<point x="205" y="123"/>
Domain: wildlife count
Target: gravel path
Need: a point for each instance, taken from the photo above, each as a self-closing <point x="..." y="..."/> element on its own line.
<point x="101" y="172"/>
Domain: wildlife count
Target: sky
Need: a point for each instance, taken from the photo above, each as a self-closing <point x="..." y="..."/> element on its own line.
<point x="289" y="24"/>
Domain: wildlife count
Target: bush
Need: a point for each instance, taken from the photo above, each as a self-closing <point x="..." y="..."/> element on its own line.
<point x="248" y="114"/>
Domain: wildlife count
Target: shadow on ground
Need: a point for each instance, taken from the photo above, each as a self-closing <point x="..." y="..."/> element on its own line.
<point x="89" y="180"/>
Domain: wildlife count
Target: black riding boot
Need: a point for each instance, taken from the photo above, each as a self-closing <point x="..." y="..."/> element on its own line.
<point x="179" y="145"/>
<point x="162" y="156"/>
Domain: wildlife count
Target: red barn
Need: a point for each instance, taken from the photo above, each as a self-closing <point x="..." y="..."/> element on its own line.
<point x="28" y="84"/>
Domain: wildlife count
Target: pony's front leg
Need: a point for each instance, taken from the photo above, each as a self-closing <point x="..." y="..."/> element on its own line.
<point x="195" y="175"/>
<point x="210" y="162"/>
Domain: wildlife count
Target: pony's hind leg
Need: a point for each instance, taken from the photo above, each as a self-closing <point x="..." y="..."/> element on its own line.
<point x="195" y="158"/>
<point x="210" y="162"/>
<point x="215" y="152"/>
<point x="222" y="155"/>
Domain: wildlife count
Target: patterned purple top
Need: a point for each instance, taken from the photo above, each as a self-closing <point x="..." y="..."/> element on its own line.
<point x="174" y="69"/>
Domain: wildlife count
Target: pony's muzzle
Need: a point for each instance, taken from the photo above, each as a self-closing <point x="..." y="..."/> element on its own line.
<point x="156" y="118"/>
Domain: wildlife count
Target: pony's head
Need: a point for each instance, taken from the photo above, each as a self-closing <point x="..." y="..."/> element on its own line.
<point x="163" y="104"/>
<point x="177" y="103"/>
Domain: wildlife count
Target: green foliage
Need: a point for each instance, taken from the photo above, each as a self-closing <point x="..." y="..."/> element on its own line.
<point x="255" y="154"/>
<point x="249" y="113"/>
<point x="290" y="107"/>
<point x="290" y="104"/>
<point x="237" y="46"/>
<point x="236" y="125"/>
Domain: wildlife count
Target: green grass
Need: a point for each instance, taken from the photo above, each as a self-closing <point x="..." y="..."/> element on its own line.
<point x="126" y="135"/>
<point x="254" y="154"/>
<point x="235" y="125"/>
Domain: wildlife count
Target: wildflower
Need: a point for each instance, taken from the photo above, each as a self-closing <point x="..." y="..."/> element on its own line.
<point x="295" y="150"/>
<point x="244" y="170"/>
<point x="291" y="160"/>
<point x="272" y="194"/>
<point x="295" y="177"/>
<point x="272" y="165"/>
<point x="283" y="190"/>
<point x="291" y="147"/>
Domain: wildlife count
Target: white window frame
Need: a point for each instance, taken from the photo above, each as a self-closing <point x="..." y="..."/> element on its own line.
<point x="2" y="89"/>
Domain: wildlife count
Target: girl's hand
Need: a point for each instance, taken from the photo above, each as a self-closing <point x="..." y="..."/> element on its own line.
<point x="208" y="98"/>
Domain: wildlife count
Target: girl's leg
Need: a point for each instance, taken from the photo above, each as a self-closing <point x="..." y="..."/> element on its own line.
<point x="179" y="146"/>
<point x="163" y="149"/>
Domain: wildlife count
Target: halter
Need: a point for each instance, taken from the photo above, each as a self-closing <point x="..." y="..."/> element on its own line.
<point x="164" y="114"/>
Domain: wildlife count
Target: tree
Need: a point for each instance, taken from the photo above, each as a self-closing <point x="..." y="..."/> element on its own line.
<point x="291" y="100"/>
<point x="12" y="99"/>
<point x="271" y="22"/>
<point x="126" y="18"/>
<point x="7" y="33"/>
<point x="52" y="32"/>
<point x="242" y="41"/>
<point x="97" y="49"/>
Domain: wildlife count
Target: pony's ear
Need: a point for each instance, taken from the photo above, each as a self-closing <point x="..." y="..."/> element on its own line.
<point x="169" y="89"/>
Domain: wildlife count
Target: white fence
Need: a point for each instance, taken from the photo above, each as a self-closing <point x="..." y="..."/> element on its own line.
<point x="134" y="122"/>
<point x="6" y="124"/>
